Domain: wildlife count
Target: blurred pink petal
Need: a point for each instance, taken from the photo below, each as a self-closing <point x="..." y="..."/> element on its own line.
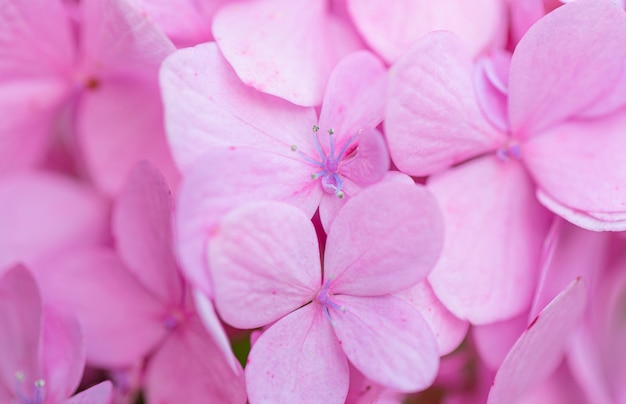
<point x="186" y="22"/>
<point x="281" y="261"/>
<point x="20" y="328"/>
<point x="23" y="34"/>
<point x="263" y="39"/>
<point x="298" y="359"/>
<point x="494" y="341"/>
<point x="572" y="252"/>
<point x="115" y="31"/>
<point x="73" y="216"/>
<point x="537" y="353"/>
<point x="63" y="353"/>
<point x="142" y="227"/>
<point x="121" y="320"/>
<point x="119" y="124"/>
<point x="119" y="115"/>
<point x="101" y="393"/>
<point x="186" y="369"/>
<point x="24" y="140"/>
<point x="391" y="28"/>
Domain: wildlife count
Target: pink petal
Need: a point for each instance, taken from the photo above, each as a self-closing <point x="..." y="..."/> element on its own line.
<point x="20" y="327"/>
<point x="263" y="40"/>
<point x="187" y="22"/>
<point x="298" y="359"/>
<point x="585" y="359"/>
<point x="391" y="28"/>
<point x="73" y="216"/>
<point x="208" y="317"/>
<point x="24" y="140"/>
<point x="388" y="340"/>
<point x="523" y="15"/>
<point x="101" y="393"/>
<point x="494" y="233"/>
<point x="117" y="40"/>
<point x="447" y="329"/>
<point x="494" y="341"/>
<point x="121" y="320"/>
<point x="580" y="172"/>
<point x="572" y="253"/>
<point x="371" y="162"/>
<point x="560" y="387"/>
<point x="537" y="353"/>
<point x="35" y="39"/>
<point x="279" y="272"/>
<point x="63" y="352"/>
<point x="552" y="78"/>
<point x="491" y="82"/>
<point x="393" y="250"/>
<point x="225" y="178"/>
<point x="355" y="95"/>
<point x="189" y="368"/>
<point x="433" y="119"/>
<point x="119" y="124"/>
<point x="142" y="227"/>
<point x="330" y="204"/>
<point x="200" y="79"/>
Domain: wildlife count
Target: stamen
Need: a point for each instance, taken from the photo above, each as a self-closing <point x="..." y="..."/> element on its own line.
<point x="329" y="164"/>
<point x="39" y="391"/>
<point x="305" y="157"/>
<point x="324" y="299"/>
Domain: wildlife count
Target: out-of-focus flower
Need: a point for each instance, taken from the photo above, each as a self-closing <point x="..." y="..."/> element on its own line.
<point x="42" y="349"/>
<point x="97" y="87"/>
<point x="136" y="305"/>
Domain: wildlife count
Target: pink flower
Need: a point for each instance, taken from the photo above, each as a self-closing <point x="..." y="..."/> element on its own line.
<point x="42" y="349"/>
<point x="248" y="146"/>
<point x="134" y="305"/>
<point x="522" y="128"/>
<point x="101" y="97"/>
<point x="322" y="318"/>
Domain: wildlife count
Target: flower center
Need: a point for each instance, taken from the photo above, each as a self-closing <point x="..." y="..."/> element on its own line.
<point x="323" y="298"/>
<point x="512" y="150"/>
<point x="174" y="319"/>
<point x="328" y="164"/>
<point x="37" y="393"/>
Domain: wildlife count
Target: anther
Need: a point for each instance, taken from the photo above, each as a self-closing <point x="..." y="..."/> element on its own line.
<point x="294" y="147"/>
<point x="331" y="131"/>
<point x="315" y="128"/>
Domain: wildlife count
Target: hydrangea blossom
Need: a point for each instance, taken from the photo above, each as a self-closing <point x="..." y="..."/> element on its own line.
<point x="322" y="315"/>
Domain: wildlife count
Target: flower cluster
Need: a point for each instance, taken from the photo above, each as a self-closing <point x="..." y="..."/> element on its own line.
<point x="312" y="201"/>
